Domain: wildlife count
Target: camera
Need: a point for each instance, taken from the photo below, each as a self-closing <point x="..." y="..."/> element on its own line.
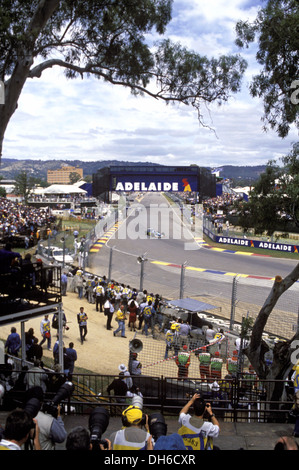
<point x="63" y="393"/>
<point x="157" y="425"/>
<point x="98" y="423"/>
<point x="32" y="406"/>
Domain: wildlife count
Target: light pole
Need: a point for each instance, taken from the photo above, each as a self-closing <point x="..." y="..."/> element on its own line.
<point x="141" y="260"/>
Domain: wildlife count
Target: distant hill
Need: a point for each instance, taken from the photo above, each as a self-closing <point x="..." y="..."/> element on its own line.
<point x="242" y="175"/>
<point x="10" y="167"/>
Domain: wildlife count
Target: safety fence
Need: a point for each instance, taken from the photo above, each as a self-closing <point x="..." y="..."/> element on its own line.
<point x="232" y="296"/>
<point x="242" y="398"/>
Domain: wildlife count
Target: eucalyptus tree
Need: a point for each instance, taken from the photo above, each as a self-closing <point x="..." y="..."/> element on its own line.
<point x="276" y="30"/>
<point x="110" y="40"/>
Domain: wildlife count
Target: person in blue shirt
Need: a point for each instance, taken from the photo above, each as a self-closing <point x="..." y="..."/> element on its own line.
<point x="63" y="281"/>
<point x="13" y="342"/>
<point x="72" y="354"/>
<point x="6" y="258"/>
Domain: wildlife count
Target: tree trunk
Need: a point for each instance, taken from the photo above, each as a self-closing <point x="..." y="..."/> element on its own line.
<point x="15" y="84"/>
<point x="282" y="351"/>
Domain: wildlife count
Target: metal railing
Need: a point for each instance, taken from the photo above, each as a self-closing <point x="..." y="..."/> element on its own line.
<point x="240" y="399"/>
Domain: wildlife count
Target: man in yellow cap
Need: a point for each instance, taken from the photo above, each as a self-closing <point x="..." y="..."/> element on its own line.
<point x="169" y="339"/>
<point x="132" y="436"/>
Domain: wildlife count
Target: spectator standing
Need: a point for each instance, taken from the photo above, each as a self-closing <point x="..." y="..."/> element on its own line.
<point x="119" y="388"/>
<point x="13" y="342"/>
<point x="120" y="318"/>
<point x="216" y="366"/>
<point x="72" y="354"/>
<point x="79" y="283"/>
<point x="35" y="352"/>
<point x="148" y="312"/>
<point x="82" y="321"/>
<point x="45" y="329"/>
<point x="132" y="309"/>
<point x="29" y="338"/>
<point x="204" y="358"/>
<point x="169" y="339"/>
<point x="99" y="291"/>
<point x="210" y="334"/>
<point x="63" y="283"/>
<point x="182" y="360"/>
<point x="108" y="311"/>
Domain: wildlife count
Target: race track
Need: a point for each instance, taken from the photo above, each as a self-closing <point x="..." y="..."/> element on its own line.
<point x="208" y="275"/>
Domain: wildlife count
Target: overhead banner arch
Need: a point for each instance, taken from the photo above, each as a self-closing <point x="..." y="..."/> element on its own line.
<point x="151" y="178"/>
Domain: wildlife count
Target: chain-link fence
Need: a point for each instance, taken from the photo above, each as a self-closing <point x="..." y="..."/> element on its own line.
<point x="232" y="297"/>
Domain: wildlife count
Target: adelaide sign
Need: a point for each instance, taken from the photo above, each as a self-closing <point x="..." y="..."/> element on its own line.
<point x="251" y="243"/>
<point x="155" y="183"/>
<point x="151" y="186"/>
<point x="153" y="178"/>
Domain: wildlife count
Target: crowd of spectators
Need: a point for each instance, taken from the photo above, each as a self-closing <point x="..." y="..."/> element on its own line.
<point x="21" y="220"/>
<point x="223" y="203"/>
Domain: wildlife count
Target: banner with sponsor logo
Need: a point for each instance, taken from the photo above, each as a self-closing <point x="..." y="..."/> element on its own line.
<point x="247" y="242"/>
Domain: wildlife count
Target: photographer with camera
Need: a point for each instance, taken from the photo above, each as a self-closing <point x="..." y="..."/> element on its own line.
<point x="80" y="438"/>
<point x="199" y="430"/>
<point x="132" y="436"/>
<point x="19" y="428"/>
<point x="51" y="426"/>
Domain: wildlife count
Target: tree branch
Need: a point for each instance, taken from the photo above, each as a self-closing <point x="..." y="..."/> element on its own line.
<point x="255" y="349"/>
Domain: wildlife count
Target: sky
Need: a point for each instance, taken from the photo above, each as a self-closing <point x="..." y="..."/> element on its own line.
<point x="90" y="120"/>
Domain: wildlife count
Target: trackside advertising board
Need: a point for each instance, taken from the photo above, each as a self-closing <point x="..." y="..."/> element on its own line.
<point x="247" y="242"/>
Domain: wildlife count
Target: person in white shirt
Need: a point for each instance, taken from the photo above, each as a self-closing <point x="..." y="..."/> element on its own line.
<point x="18" y="429"/>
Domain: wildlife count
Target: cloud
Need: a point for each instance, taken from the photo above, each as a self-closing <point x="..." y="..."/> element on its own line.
<point x="92" y="120"/>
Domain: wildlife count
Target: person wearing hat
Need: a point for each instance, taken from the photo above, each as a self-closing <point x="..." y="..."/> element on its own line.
<point x="119" y="387"/>
<point x="132" y="436"/>
<point x="127" y="376"/>
<point x="182" y="360"/>
<point x="169" y="338"/>
<point x="79" y="283"/>
<point x="232" y="364"/>
<point x="216" y="366"/>
<point x="204" y="358"/>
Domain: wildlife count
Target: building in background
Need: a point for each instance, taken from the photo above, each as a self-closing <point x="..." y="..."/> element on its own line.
<point x="62" y="175"/>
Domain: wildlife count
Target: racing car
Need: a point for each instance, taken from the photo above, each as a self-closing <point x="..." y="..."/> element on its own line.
<point x="150" y="232"/>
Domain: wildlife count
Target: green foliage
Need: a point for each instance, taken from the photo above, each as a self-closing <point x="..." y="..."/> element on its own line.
<point x="111" y="41"/>
<point x="246" y="327"/>
<point x="277" y="30"/>
<point x="24" y="185"/>
<point x="274" y="200"/>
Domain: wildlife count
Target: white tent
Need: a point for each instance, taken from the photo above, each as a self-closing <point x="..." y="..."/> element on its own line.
<point x="63" y="189"/>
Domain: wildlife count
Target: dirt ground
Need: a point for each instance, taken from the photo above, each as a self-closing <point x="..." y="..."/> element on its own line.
<point x="101" y="352"/>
